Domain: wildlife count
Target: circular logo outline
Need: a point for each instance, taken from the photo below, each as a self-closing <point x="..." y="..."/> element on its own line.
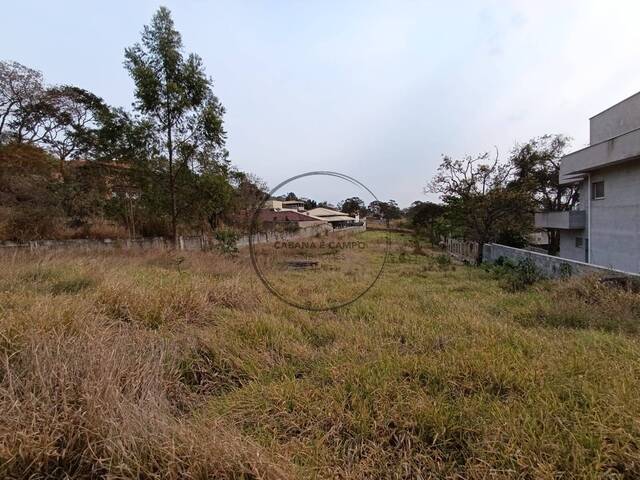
<point x="252" y="232"/>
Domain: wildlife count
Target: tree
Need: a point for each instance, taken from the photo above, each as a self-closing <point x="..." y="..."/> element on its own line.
<point x="64" y="120"/>
<point x="175" y="97"/>
<point x="291" y="196"/>
<point x="20" y="87"/>
<point x="353" y="206"/>
<point x="384" y="210"/>
<point x="309" y="203"/>
<point x="482" y="198"/>
<point x="424" y="217"/>
<point x="537" y="170"/>
<point x="213" y="197"/>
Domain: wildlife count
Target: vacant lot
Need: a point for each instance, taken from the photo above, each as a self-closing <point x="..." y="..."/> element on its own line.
<point x="183" y="365"/>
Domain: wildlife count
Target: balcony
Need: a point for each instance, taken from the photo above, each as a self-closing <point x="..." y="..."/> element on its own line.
<point x="603" y="154"/>
<point x="571" y="220"/>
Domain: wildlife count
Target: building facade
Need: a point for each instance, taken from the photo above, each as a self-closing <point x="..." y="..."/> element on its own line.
<point x="605" y="228"/>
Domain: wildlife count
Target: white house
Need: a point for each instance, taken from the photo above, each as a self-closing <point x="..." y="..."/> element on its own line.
<point x="605" y="227"/>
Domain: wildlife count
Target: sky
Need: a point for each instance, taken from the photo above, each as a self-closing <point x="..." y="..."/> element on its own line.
<point x="377" y="90"/>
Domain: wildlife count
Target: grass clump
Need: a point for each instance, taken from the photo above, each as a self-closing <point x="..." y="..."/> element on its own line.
<point x="588" y="303"/>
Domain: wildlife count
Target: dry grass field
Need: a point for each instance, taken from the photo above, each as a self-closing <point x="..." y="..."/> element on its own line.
<point x="164" y="365"/>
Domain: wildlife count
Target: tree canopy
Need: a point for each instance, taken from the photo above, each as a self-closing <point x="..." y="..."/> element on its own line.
<point x="156" y="170"/>
<point x="482" y="198"/>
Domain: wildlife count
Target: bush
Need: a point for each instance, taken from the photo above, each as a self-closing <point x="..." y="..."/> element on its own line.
<point x="515" y="277"/>
<point x="227" y="240"/>
<point x="32" y="223"/>
<point x="443" y="261"/>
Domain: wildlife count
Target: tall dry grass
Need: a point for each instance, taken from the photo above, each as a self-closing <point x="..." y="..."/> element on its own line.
<point x="157" y="365"/>
<point x="89" y="387"/>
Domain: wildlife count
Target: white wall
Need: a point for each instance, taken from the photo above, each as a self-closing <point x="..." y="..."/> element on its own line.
<point x="616" y="120"/>
<point x="615" y="220"/>
<point x="568" y="247"/>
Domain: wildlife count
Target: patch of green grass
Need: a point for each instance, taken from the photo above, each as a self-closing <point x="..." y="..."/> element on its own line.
<point x="71" y="286"/>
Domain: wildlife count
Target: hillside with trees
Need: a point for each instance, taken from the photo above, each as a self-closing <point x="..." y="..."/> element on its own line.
<point x="74" y="166"/>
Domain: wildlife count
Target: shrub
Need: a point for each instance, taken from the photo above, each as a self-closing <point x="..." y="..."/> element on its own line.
<point x="227" y="240"/>
<point x="32" y="223"/>
<point x="443" y="261"/>
<point x="565" y="270"/>
<point x="515" y="276"/>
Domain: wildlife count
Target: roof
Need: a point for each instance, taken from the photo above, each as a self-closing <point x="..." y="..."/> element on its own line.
<point x="285" y="216"/>
<point x="326" y="212"/>
<point x="339" y="218"/>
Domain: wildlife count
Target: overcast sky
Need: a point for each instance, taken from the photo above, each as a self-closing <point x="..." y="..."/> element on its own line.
<point x="375" y="90"/>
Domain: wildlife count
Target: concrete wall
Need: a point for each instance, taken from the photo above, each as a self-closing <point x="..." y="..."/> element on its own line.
<point x="547" y="264"/>
<point x="193" y="243"/>
<point x="615" y="219"/>
<point x="272" y="236"/>
<point x="616" y="120"/>
<point x="461" y="249"/>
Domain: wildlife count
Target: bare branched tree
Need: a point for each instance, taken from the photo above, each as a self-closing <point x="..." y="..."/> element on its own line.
<point x="482" y="200"/>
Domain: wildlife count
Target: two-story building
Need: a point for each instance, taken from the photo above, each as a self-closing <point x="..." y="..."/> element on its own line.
<point x="605" y="228"/>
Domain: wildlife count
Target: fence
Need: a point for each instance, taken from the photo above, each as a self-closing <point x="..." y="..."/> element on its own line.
<point x="461" y="249"/>
<point x="190" y="243"/>
<point x="547" y="264"/>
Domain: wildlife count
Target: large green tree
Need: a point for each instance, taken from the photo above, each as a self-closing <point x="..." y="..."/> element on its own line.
<point x="175" y="96"/>
<point x="537" y="170"/>
<point x="384" y="210"/>
<point x="425" y="218"/>
<point x="353" y="205"/>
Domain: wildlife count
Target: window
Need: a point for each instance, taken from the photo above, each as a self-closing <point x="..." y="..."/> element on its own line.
<point x="597" y="190"/>
<point x="578" y="242"/>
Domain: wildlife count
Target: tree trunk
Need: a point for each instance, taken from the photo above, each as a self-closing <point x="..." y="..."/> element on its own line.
<point x="554" y="242"/>
<point x="480" y="255"/>
<point x="172" y="189"/>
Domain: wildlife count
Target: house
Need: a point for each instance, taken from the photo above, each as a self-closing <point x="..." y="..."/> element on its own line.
<point x="335" y="218"/>
<point x="293" y="205"/>
<point x="272" y="204"/>
<point x="293" y="212"/>
<point x="604" y="229"/>
<point x="287" y="218"/>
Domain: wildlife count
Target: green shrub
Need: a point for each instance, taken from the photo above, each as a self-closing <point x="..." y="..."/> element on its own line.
<point x="515" y="277"/>
<point x="443" y="261"/>
<point x="227" y="240"/>
<point x="566" y="270"/>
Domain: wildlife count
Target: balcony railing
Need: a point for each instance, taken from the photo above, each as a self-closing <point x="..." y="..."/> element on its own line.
<point x="571" y="220"/>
